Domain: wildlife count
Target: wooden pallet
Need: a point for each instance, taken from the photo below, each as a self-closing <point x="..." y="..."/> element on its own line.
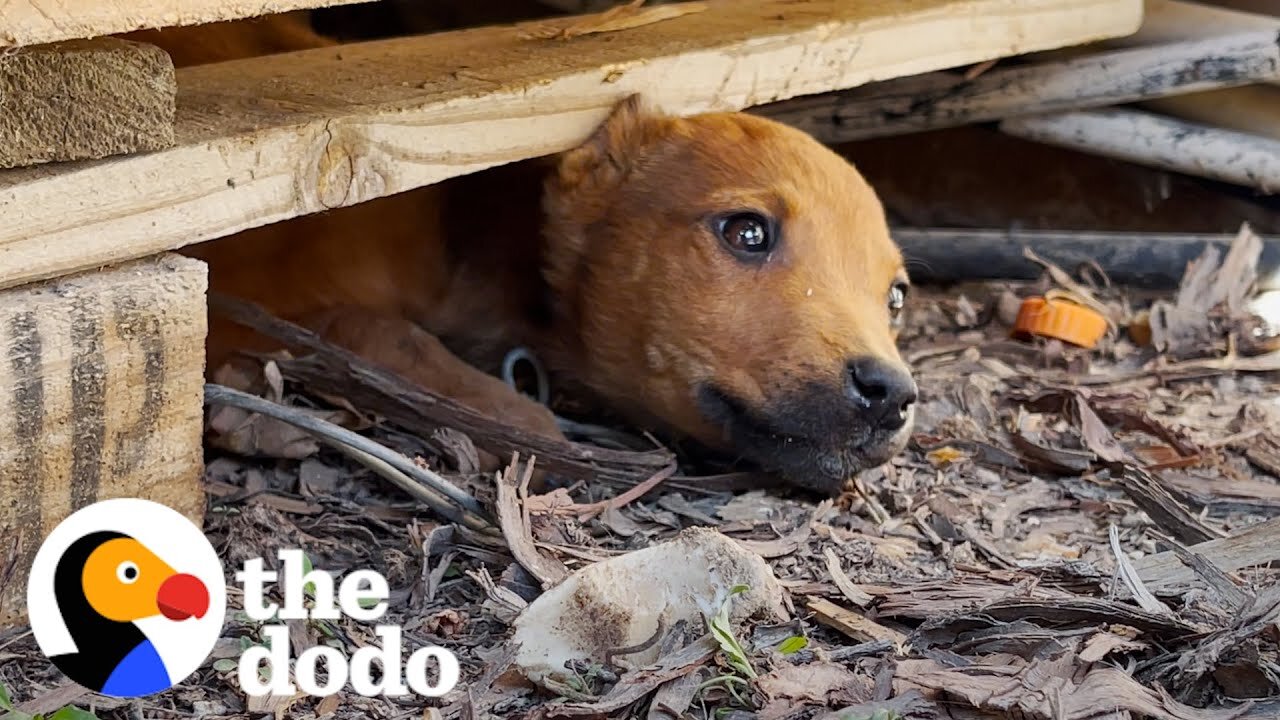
<point x="34" y="22"/>
<point x="117" y="355"/>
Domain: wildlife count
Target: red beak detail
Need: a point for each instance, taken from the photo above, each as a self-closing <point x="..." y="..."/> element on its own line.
<point x="183" y="596"/>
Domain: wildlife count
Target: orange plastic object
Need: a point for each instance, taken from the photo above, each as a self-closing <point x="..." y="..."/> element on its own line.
<point x="1060" y="319"/>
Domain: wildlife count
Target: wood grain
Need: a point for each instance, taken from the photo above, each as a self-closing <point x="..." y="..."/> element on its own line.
<point x="1160" y="142"/>
<point x="84" y="100"/>
<point x="261" y="141"/>
<point x="1256" y="545"/>
<point x="31" y="22"/>
<point x="101" y="378"/>
<point x="945" y="99"/>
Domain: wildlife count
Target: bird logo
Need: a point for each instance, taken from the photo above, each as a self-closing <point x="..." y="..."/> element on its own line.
<point x="126" y="598"/>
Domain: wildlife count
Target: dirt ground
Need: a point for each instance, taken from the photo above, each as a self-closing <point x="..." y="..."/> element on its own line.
<point x="1026" y="557"/>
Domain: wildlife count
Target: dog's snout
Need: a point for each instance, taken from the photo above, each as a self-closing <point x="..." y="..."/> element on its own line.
<point x="881" y="390"/>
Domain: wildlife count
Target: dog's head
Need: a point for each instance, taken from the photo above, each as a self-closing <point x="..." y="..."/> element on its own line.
<point x="735" y="280"/>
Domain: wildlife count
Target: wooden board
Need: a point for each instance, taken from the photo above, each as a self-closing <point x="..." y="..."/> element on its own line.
<point x="84" y="100"/>
<point x="1159" y="142"/>
<point x="1253" y="109"/>
<point x="260" y="141"/>
<point x="31" y="22"/>
<point x="1094" y="80"/>
<point x="102" y="382"/>
<point x="1178" y="20"/>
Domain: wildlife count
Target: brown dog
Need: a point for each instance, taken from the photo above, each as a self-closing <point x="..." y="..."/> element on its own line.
<point x="721" y="277"/>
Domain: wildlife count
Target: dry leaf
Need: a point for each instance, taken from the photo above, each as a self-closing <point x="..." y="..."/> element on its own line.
<point x="1105" y="643"/>
<point x="943" y="456"/>
<point x="821" y="683"/>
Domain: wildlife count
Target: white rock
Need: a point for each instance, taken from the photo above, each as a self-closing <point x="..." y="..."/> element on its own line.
<point x="619" y="602"/>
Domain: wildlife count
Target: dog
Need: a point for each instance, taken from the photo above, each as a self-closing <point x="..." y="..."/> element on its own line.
<point x="719" y="277"/>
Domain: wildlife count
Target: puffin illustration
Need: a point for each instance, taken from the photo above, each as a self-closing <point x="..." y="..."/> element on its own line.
<point x="103" y="583"/>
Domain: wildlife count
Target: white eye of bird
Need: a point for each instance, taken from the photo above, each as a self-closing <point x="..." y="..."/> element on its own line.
<point x="127" y="572"/>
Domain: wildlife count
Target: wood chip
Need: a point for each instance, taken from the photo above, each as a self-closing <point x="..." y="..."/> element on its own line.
<point x="515" y="527"/>
<point x="1258" y="544"/>
<point x="842" y="581"/>
<point x="852" y="624"/>
<point x="1131" y="579"/>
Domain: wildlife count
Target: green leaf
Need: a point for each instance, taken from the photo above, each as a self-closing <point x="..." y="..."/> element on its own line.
<point x="224" y="665"/>
<point x="308" y="589"/>
<point x="71" y="712"/>
<point x="793" y="644"/>
<point x="723" y="633"/>
<point x="6" y="702"/>
<point x="368" y="602"/>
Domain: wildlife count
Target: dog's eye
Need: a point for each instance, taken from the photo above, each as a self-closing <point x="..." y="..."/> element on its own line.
<point x="897" y="298"/>
<point x="745" y="232"/>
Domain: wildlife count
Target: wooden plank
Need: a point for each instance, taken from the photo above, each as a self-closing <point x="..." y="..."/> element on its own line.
<point x="941" y="100"/>
<point x="32" y="22"/>
<point x="260" y="142"/>
<point x="1253" y="109"/>
<point x="84" y="100"/>
<point x="1159" y="142"/>
<point x="101" y="377"/>
<point x="1177" y="20"/>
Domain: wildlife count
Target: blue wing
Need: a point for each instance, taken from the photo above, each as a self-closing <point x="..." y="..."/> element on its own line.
<point x="141" y="672"/>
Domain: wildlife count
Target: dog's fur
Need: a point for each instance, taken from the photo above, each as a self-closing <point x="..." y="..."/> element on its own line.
<point x="610" y="261"/>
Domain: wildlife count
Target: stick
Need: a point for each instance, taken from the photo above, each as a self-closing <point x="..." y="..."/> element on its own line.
<point x="941" y="100"/>
<point x="335" y="370"/>
<point x="422" y="484"/>
<point x="1163" y="143"/>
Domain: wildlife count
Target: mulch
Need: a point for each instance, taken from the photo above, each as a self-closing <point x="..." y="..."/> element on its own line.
<point x="1072" y="534"/>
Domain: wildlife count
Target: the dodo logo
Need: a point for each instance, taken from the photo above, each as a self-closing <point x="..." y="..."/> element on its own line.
<point x="126" y="597"/>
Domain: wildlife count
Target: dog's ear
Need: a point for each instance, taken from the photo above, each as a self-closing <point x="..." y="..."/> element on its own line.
<point x="606" y="157"/>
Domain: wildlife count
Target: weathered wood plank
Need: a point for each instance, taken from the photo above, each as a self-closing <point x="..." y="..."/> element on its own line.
<point x="1176" y="20"/>
<point x="31" y="22"/>
<point x="84" y="100"/>
<point x="1253" y="109"/>
<point x="941" y="100"/>
<point x="1159" y="142"/>
<point x="101" y="378"/>
<point x="260" y="142"/>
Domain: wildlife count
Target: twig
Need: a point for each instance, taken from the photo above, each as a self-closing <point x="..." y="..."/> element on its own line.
<point x="587" y="512"/>
<point x="422" y="484"/>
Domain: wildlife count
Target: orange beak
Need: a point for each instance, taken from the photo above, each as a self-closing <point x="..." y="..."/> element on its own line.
<point x="183" y="596"/>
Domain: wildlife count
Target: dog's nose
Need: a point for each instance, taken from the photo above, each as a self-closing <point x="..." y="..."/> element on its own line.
<point x="882" y="390"/>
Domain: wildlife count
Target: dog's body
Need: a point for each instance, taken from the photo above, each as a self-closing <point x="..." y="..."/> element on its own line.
<point x="720" y="277"/>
